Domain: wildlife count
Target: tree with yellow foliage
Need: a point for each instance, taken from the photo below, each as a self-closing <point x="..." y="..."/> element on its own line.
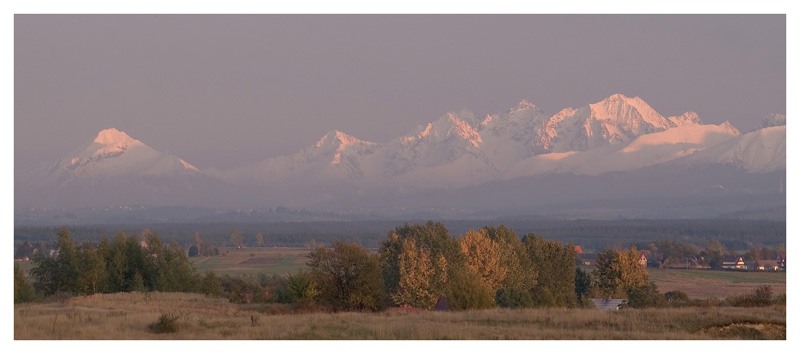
<point x="484" y="257"/>
<point x="416" y="277"/>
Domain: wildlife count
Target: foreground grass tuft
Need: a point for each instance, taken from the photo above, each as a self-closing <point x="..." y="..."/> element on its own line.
<point x="167" y="323"/>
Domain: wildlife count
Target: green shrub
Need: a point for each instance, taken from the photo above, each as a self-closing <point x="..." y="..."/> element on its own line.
<point x="513" y="298"/>
<point x="643" y="296"/>
<point x="167" y="323"/>
<point x="676" y="297"/>
<point x="543" y="297"/>
<point x="761" y="296"/>
<point x="467" y="291"/>
<point x="23" y="290"/>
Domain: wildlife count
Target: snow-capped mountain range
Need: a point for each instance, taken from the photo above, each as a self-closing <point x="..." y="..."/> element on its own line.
<point x="457" y="152"/>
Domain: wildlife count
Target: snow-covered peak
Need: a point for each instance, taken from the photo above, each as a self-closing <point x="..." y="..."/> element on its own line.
<point x="773" y="120"/>
<point x="687" y="118"/>
<point x="525" y="104"/>
<point x="627" y="110"/>
<point x="760" y="151"/>
<point x="109" y="143"/>
<point x="730" y="128"/>
<point x="488" y="119"/>
<point x="188" y="165"/>
<point x="340" y="142"/>
<point x="339" y="139"/>
<point x="113" y="136"/>
<point x="461" y="128"/>
<point x="698" y="135"/>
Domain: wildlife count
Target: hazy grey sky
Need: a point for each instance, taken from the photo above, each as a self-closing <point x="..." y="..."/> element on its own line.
<point x="231" y="90"/>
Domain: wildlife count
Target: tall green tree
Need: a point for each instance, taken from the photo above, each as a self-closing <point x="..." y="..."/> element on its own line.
<point x="444" y="252"/>
<point x="236" y="237"/>
<point x="555" y="266"/>
<point x="348" y="277"/>
<point x="618" y="272"/>
<point x="23" y="290"/>
<point x="301" y="288"/>
<point x="93" y="273"/>
<point x="59" y="274"/>
<point x="583" y="286"/>
<point x="520" y="274"/>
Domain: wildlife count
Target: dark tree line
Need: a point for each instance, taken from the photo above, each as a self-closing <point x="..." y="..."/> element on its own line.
<point x="126" y="263"/>
<point x="415" y="266"/>
<point x="738" y="234"/>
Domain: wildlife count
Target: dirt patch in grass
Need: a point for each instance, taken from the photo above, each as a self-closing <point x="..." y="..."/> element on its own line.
<point x="260" y="260"/>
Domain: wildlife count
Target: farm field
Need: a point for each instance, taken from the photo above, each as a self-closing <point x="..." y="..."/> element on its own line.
<point x="128" y="315"/>
<point x="703" y="284"/>
<point x="246" y="261"/>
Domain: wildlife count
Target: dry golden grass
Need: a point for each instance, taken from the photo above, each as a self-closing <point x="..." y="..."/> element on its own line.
<point x="703" y="284"/>
<point x="127" y="316"/>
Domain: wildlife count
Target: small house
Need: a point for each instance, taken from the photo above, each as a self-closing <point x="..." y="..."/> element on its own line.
<point x="643" y="259"/>
<point x="609" y="304"/>
<point x="733" y="262"/>
<point x="587" y="259"/>
<point x="767" y="264"/>
<point x="750" y="265"/>
<point x="696" y="264"/>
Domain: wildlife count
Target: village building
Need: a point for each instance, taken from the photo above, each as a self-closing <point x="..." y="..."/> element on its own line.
<point x="750" y="265"/>
<point x="767" y="264"/>
<point x="733" y="262"/>
<point x="586" y="259"/>
<point x="643" y="259"/>
<point x="609" y="304"/>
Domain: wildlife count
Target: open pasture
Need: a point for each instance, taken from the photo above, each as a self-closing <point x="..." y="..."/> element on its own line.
<point x="245" y="261"/>
<point x="703" y="284"/>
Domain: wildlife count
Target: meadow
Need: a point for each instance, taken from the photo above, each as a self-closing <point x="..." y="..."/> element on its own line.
<point x="253" y="260"/>
<point x="129" y="316"/>
<point x="704" y="284"/>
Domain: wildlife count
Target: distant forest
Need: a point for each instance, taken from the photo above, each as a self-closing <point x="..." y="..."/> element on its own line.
<point x="592" y="235"/>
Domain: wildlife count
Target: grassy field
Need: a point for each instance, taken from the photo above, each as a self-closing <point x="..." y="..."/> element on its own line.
<point x="128" y="316"/>
<point x="703" y="284"/>
<point x="253" y="261"/>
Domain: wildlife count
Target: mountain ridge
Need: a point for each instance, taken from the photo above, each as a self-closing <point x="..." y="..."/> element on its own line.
<point x="455" y="153"/>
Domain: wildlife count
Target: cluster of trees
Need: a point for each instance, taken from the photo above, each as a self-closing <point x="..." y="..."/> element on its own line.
<point x="418" y="264"/>
<point x="618" y="274"/>
<point x="122" y="264"/>
<point x="711" y="255"/>
<point x="415" y="266"/>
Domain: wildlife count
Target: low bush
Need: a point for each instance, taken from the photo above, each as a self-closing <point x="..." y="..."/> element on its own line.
<point x="676" y="297"/>
<point x="513" y="298"/>
<point x="761" y="296"/>
<point x="167" y="323"/>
